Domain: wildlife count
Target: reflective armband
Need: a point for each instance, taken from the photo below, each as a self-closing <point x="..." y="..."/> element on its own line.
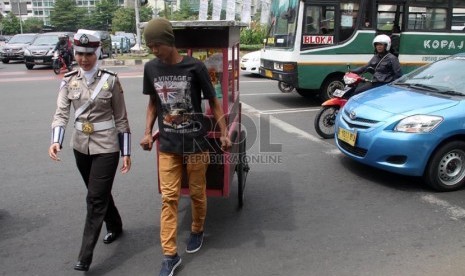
<point x="125" y="143"/>
<point x="58" y="134"/>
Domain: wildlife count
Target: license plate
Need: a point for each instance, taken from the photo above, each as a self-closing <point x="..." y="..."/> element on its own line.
<point x="38" y="60"/>
<point x="347" y="136"/>
<point x="340" y="92"/>
<point x="268" y="74"/>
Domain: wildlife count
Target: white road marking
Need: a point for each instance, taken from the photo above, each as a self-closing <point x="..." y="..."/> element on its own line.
<point x="335" y="151"/>
<point x="259" y="94"/>
<point x="290" y="110"/>
<point x="455" y="212"/>
<point x="286" y="126"/>
<point x="257" y="81"/>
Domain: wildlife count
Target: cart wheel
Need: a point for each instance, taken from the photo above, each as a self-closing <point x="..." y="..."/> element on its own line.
<point x="242" y="168"/>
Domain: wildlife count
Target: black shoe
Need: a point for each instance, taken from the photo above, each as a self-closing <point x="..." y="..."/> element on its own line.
<point x="81" y="266"/>
<point x="169" y="264"/>
<point x="195" y="242"/>
<point x="111" y="237"/>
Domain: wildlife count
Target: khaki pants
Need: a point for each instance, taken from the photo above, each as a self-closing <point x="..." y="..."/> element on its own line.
<point x="170" y="168"/>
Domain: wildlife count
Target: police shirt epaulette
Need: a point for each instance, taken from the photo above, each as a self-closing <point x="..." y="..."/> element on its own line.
<point x="109" y="72"/>
<point x="74" y="72"/>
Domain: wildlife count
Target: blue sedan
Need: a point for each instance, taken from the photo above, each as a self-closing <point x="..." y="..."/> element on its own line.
<point x="414" y="126"/>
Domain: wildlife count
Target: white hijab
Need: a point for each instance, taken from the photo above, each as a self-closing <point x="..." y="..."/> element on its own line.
<point x="89" y="74"/>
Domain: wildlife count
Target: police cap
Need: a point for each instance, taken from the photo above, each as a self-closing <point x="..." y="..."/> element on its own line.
<point x="86" y="43"/>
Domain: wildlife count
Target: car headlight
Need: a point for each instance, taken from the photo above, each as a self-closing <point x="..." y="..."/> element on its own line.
<point x="27" y="52"/>
<point x="418" y="124"/>
<point x="50" y="52"/>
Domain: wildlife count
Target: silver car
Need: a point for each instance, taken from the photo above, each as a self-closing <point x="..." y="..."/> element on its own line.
<point x="14" y="48"/>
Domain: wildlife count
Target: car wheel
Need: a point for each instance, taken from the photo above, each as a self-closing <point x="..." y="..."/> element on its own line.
<point x="5" y="60"/>
<point x="446" y="168"/>
<point x="29" y="66"/>
<point x="331" y="84"/>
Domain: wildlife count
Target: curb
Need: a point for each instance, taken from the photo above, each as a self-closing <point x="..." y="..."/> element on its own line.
<point x="124" y="62"/>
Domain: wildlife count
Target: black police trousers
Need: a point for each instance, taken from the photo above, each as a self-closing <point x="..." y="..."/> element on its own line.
<point x="98" y="172"/>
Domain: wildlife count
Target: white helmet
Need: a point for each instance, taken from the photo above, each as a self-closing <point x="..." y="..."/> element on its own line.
<point x="383" y="39"/>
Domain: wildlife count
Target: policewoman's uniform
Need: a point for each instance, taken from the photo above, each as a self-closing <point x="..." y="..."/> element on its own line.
<point x="101" y="132"/>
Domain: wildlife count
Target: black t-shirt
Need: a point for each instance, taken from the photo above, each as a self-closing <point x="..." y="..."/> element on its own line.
<point x="179" y="89"/>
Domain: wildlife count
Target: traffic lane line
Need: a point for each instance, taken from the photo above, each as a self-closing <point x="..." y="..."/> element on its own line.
<point x="286" y="127"/>
<point x="454" y="212"/>
<point x="288" y="110"/>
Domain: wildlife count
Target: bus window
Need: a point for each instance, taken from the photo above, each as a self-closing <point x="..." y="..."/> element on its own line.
<point x="425" y="18"/>
<point x="318" y="26"/>
<point x="458" y="15"/>
<point x="282" y="25"/>
<point x="327" y="22"/>
<point x="386" y="17"/>
<point x="349" y="12"/>
<point x="458" y="21"/>
<point x="318" y="20"/>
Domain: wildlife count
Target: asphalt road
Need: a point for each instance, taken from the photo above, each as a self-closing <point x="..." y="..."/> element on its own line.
<point x="308" y="209"/>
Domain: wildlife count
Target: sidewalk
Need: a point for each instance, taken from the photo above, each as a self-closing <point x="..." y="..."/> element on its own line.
<point x="123" y="62"/>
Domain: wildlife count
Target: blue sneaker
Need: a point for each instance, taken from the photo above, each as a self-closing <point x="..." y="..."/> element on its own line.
<point x="195" y="242"/>
<point x="169" y="264"/>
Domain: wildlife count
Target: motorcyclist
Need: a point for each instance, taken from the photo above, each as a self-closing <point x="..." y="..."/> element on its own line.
<point x="65" y="49"/>
<point x="386" y="66"/>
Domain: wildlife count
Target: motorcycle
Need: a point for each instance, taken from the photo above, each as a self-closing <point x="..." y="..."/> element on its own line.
<point x="58" y="63"/>
<point x="326" y="116"/>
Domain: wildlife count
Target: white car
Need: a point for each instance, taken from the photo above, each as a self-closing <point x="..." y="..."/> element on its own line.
<point x="250" y="63"/>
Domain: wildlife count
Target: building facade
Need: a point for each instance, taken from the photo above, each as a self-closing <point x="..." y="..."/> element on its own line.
<point x="41" y="9"/>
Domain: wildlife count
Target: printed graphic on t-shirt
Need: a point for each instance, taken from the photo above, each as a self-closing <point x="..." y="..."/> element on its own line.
<point x="175" y="97"/>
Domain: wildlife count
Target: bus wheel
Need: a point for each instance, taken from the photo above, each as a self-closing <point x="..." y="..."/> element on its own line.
<point x="331" y="84"/>
<point x="285" y="87"/>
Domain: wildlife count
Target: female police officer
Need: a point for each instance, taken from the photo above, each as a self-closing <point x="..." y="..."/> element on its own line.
<point x="101" y="131"/>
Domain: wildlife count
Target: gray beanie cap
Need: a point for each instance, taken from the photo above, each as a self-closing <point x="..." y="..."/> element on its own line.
<point x="159" y="31"/>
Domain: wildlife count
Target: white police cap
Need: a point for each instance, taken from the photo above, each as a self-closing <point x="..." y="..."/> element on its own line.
<point x="86" y="43"/>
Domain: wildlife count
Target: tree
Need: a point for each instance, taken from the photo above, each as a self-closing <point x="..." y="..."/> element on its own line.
<point x="11" y="24"/>
<point x="185" y="12"/>
<point x="32" y="25"/>
<point x="253" y="34"/>
<point x="145" y="13"/>
<point x="66" y="16"/>
<point x="101" y="17"/>
<point x="124" y="19"/>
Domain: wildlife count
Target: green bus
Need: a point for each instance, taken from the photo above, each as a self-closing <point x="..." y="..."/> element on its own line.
<point x="310" y="43"/>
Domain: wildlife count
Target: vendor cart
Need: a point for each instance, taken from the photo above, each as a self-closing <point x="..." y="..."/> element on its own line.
<point x="216" y="43"/>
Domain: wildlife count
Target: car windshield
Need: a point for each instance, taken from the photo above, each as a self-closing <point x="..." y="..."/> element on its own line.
<point x="21" y="39"/>
<point x="445" y="76"/>
<point x="46" y="40"/>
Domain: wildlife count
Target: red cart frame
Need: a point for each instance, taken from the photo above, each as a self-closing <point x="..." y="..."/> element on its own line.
<point x="217" y="44"/>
